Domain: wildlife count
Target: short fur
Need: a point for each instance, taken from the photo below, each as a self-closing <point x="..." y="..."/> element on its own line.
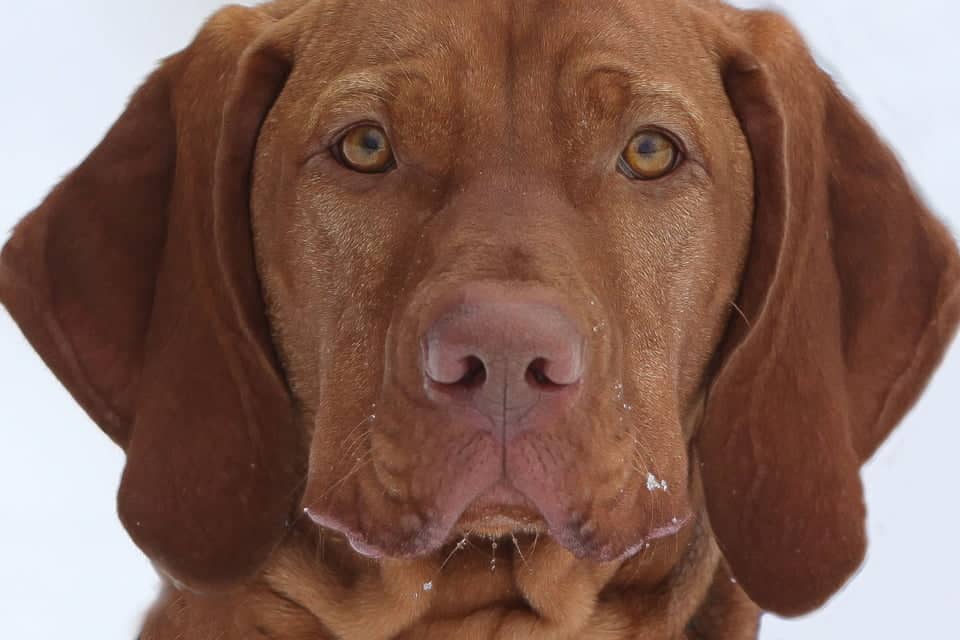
<point x="240" y="313"/>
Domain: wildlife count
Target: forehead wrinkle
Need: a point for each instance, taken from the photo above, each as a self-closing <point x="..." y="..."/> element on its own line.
<point x="640" y="86"/>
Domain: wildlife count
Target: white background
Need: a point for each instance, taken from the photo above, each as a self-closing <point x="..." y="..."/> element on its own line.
<point x="67" y="569"/>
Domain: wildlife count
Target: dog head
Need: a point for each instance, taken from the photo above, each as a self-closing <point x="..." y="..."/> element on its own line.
<point x="429" y="268"/>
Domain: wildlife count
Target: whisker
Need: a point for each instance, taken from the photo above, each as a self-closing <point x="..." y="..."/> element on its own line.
<point x="741" y="313"/>
<point x="640" y="453"/>
<point x="319" y="550"/>
<point x="300" y="485"/>
<point x="516" y="545"/>
<point x="460" y="546"/>
<point x="361" y="462"/>
<point x="533" y="547"/>
<point x="365" y="420"/>
<point x="357" y="450"/>
<point x="640" y="470"/>
<point x="357" y="435"/>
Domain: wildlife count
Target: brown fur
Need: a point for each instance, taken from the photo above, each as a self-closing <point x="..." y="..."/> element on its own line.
<point x="242" y="315"/>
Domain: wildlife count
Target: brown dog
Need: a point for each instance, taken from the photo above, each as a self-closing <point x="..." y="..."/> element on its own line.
<point x="561" y="320"/>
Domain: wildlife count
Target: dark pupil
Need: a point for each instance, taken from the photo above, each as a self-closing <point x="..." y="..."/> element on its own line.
<point x="371" y="142"/>
<point x="647" y="146"/>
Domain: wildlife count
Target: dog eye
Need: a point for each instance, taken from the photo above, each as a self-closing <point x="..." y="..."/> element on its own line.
<point x="365" y="148"/>
<point x="651" y="154"/>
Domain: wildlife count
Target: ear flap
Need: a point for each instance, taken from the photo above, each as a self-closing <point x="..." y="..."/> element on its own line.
<point x="135" y="281"/>
<point x="852" y="292"/>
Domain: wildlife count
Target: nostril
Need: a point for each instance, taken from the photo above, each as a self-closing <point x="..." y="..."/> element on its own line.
<point x="452" y="375"/>
<point x="490" y="352"/>
<point x="539" y="376"/>
<point x="475" y="374"/>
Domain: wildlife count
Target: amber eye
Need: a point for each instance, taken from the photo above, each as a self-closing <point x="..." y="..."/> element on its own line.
<point x="366" y="149"/>
<point x="651" y="154"/>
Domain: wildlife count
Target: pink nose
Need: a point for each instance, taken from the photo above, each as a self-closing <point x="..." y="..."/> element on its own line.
<point x="511" y="360"/>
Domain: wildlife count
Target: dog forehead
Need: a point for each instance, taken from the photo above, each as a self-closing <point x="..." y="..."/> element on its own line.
<point x="487" y="70"/>
<point x="523" y="37"/>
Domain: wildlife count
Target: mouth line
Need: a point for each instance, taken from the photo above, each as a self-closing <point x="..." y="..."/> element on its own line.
<point x="668" y="530"/>
<point x="494" y="522"/>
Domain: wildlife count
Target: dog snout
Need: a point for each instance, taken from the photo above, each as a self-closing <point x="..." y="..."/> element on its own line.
<point x="502" y="354"/>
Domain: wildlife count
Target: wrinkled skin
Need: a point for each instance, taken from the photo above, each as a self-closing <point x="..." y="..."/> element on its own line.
<point x="507" y="139"/>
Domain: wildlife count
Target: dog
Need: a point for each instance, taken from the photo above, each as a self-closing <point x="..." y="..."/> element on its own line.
<point x="479" y="320"/>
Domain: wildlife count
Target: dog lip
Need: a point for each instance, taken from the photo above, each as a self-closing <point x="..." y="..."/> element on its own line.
<point x="364" y="549"/>
<point x="501" y="495"/>
<point x="672" y="528"/>
<point x="357" y="541"/>
<point x="499" y="510"/>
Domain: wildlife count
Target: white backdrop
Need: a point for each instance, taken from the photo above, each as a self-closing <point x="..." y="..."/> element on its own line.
<point x="67" y="569"/>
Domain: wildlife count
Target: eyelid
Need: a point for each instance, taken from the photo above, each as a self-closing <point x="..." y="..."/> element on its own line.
<point x="676" y="139"/>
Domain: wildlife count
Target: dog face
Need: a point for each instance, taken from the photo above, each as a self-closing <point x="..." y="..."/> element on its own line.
<point x="508" y="227"/>
<point x="425" y="269"/>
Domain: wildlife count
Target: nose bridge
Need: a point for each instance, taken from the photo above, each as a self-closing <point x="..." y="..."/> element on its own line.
<point x="512" y="189"/>
<point x="505" y="225"/>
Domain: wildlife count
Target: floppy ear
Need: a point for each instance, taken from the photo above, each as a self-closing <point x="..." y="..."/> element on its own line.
<point x="135" y="281"/>
<point x="852" y="293"/>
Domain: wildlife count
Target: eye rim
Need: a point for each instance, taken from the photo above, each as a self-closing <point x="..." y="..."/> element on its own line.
<point x="336" y="149"/>
<point x="680" y="155"/>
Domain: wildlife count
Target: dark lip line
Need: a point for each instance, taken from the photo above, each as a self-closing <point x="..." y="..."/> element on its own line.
<point x="671" y="529"/>
<point x="358" y="541"/>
